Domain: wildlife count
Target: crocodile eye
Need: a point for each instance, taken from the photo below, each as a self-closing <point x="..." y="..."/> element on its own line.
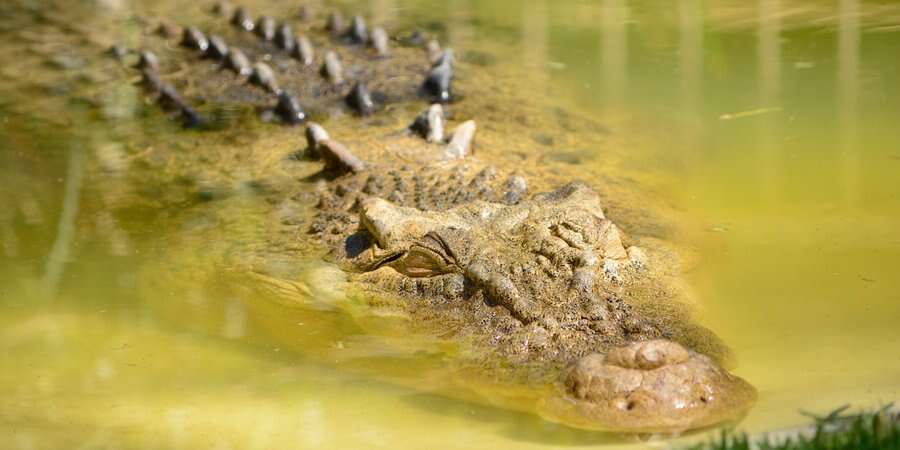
<point x="422" y="262"/>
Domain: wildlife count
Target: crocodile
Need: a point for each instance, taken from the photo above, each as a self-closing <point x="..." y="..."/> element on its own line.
<point x="524" y="265"/>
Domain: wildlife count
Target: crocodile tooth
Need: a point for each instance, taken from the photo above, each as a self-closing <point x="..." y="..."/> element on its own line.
<point x="303" y="50"/>
<point x="242" y="19"/>
<point x="332" y="69"/>
<point x="357" y="32"/>
<point x="284" y="38"/>
<point x="338" y="157"/>
<point x="148" y="60"/>
<point x="289" y="109"/>
<point x="264" y="77"/>
<point x="380" y="41"/>
<point x="437" y="82"/>
<point x="315" y="134"/>
<point x="335" y="24"/>
<point x="195" y="39"/>
<point x="237" y="62"/>
<point x="265" y="28"/>
<point x="460" y="144"/>
<point x="218" y="49"/>
<point x="360" y="100"/>
<point x="430" y="124"/>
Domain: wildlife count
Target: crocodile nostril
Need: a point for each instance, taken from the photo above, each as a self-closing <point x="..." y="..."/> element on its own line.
<point x="503" y="291"/>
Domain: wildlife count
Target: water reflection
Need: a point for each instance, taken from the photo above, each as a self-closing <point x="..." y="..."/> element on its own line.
<point x="770" y="78"/>
<point x="535" y="41"/>
<point x="789" y="270"/>
<point x="65" y="230"/>
<point x="690" y="54"/>
<point x="848" y="98"/>
<point x="614" y="51"/>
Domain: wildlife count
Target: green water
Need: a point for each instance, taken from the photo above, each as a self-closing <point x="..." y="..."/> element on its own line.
<point x="768" y="127"/>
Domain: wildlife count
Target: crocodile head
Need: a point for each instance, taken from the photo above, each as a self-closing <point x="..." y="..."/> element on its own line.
<point x="548" y="264"/>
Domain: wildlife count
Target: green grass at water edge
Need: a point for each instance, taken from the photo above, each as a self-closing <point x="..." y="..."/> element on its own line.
<point x="865" y="431"/>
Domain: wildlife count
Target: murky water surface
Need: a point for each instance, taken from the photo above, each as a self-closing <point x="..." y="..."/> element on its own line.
<point x="769" y="128"/>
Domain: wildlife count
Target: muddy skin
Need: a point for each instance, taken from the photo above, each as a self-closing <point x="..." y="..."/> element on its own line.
<point x="536" y="280"/>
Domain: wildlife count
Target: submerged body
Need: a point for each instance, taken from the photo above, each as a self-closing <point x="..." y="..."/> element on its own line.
<point x="524" y="265"/>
